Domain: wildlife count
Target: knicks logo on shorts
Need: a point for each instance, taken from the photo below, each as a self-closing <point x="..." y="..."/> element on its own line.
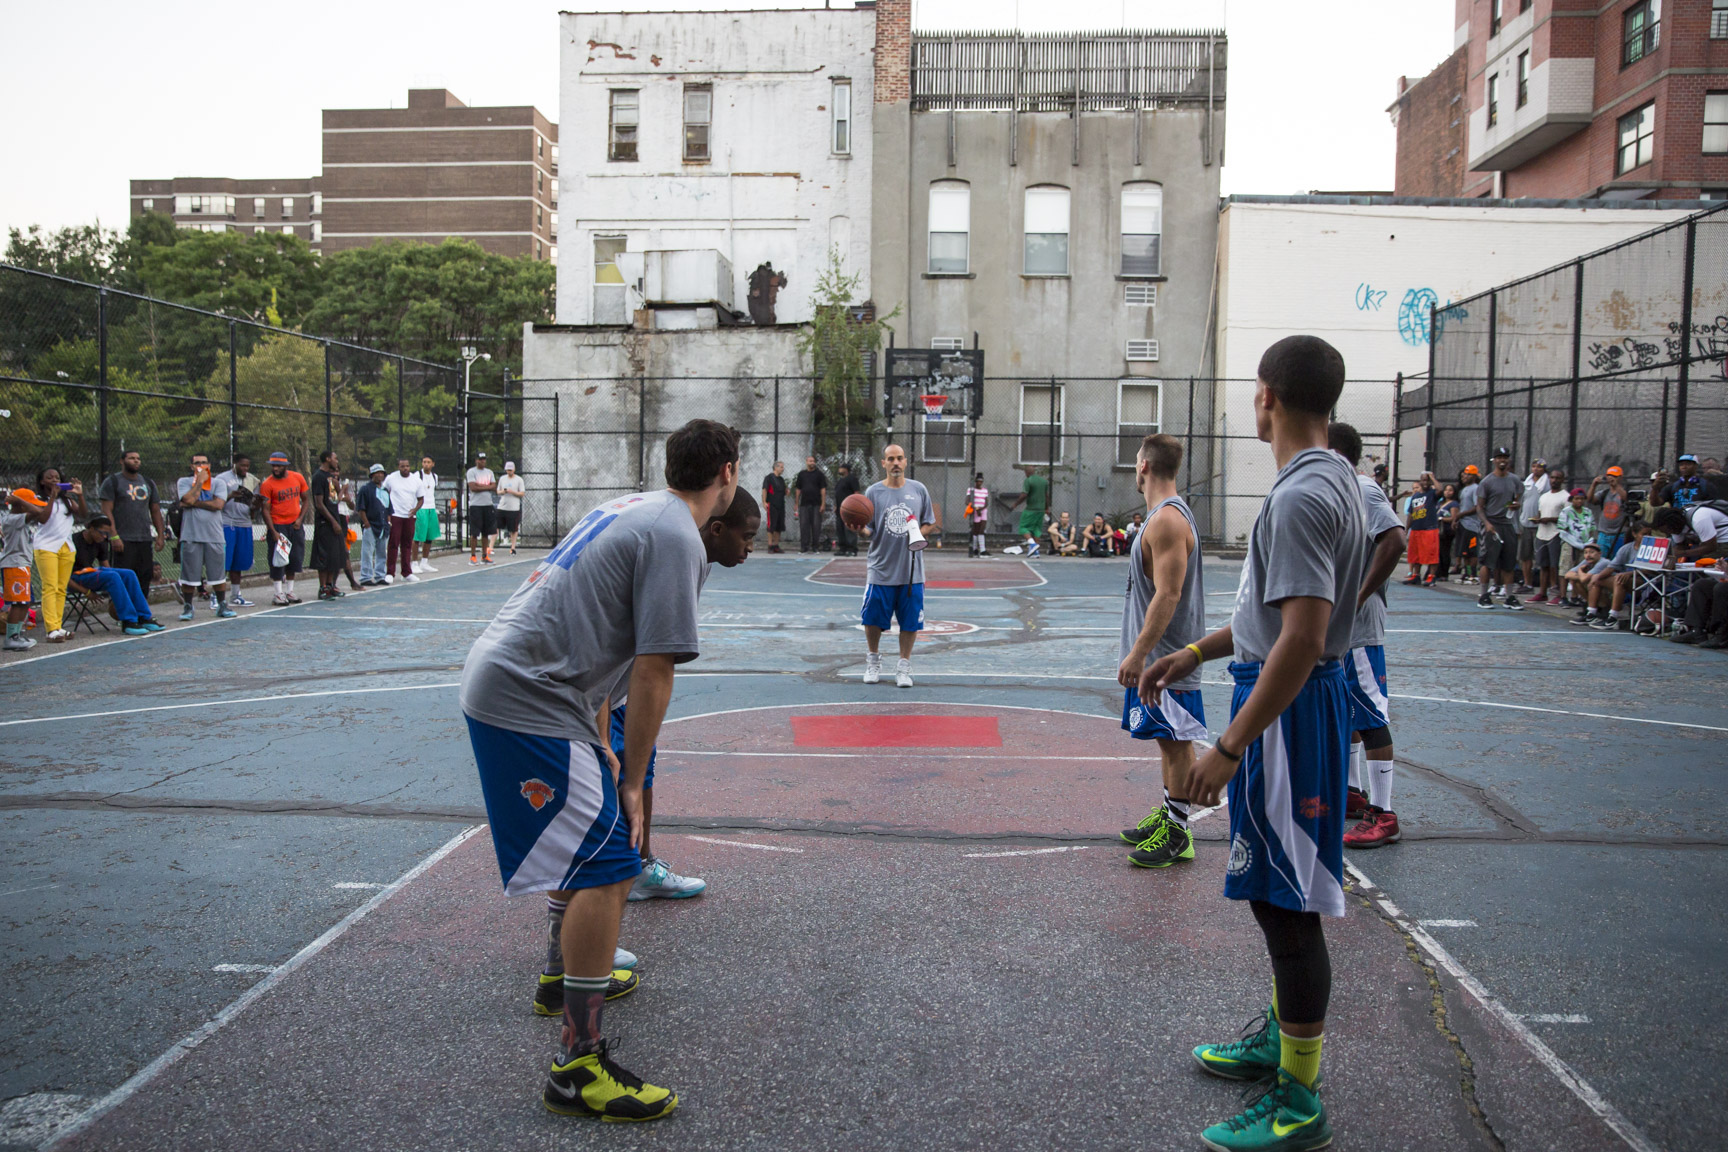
<point x="1241" y="856"/>
<point x="538" y="793"/>
<point x="1312" y="807"/>
<point x="1136" y="717"/>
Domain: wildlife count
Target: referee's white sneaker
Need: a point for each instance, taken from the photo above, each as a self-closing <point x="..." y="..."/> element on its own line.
<point x="873" y="668"/>
<point x="660" y="882"/>
<point x="903" y="674"/>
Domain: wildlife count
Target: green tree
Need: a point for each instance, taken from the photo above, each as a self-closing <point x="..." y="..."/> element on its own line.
<point x="839" y="343"/>
<point x="245" y="275"/>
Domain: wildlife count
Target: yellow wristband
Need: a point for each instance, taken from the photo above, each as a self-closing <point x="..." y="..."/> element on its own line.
<point x="1195" y="648"/>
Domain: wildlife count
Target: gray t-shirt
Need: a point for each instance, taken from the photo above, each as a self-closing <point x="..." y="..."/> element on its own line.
<point x="1310" y="539"/>
<point x="1187" y="623"/>
<point x="480" y="476"/>
<point x="1467" y="502"/>
<point x="16" y="536"/>
<point x="890" y="561"/>
<point x="623" y="583"/>
<point x="237" y="513"/>
<point x="1369" y="627"/>
<point x="133" y="498"/>
<point x="1498" y="495"/>
<point x="202" y="525"/>
<point x="510" y="490"/>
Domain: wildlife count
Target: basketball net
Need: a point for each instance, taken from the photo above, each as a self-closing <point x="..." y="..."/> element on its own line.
<point x="933" y="403"/>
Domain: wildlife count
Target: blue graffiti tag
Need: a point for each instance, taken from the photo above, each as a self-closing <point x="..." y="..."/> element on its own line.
<point x="1413" y="313"/>
<point x="1369" y="298"/>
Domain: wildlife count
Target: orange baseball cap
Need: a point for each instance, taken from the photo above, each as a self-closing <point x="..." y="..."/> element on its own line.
<point x="1614" y="471"/>
<point x="29" y="497"/>
<point x="1472" y="470"/>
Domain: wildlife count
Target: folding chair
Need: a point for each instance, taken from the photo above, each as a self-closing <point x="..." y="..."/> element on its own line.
<point x="84" y="612"/>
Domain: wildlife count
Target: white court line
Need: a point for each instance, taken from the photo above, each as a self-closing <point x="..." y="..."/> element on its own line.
<point x="359" y="884"/>
<point x="216" y="1023"/>
<point x="1495" y="631"/>
<point x="743" y="844"/>
<point x="1027" y="852"/>
<point x="1562" y="1071"/>
<point x="1555" y="1018"/>
<point x="241" y="700"/>
<point x="180" y="628"/>
<point x="244" y="968"/>
<point x="34" y="888"/>
<point x="1560" y="712"/>
<point x="1448" y="923"/>
<point x="368" y="619"/>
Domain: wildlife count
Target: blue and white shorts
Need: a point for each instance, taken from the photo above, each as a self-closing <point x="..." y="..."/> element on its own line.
<point x="885" y="603"/>
<point x="553" y="808"/>
<point x="1287" y="798"/>
<point x="1365" y="675"/>
<point x="1176" y="716"/>
<point x="618" y="746"/>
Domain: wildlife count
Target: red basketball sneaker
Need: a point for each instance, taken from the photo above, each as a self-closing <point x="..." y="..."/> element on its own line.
<point x="1378" y="828"/>
<point x="1355" y="804"/>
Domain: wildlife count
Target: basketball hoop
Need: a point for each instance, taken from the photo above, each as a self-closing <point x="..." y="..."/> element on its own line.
<point x="933" y="403"/>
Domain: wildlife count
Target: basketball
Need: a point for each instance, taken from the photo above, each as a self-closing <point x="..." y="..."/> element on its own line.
<point x="857" y="510"/>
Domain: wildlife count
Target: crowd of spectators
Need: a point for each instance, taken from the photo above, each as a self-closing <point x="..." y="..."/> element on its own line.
<point x="1576" y="545"/>
<point x="60" y="550"/>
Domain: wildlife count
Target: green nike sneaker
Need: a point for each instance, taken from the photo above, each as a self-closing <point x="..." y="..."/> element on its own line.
<point x="1288" y="1117"/>
<point x="1254" y="1057"/>
<point x="1169" y="843"/>
<point x="1137" y="834"/>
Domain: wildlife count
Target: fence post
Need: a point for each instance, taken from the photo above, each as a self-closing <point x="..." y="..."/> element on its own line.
<point x="642" y="433"/>
<point x="102" y="382"/>
<point x="776" y="422"/>
<point x="505" y="445"/>
<point x="557" y="435"/>
<point x="1577" y="370"/>
<point x="329" y="426"/>
<point x="1397" y="425"/>
<point x="233" y="393"/>
<point x="1685" y="339"/>
<point x="401" y="396"/>
<point x="1493" y="326"/>
<point x="1530" y="419"/>
<point x="1662" y="431"/>
<point x="1188" y="452"/>
<point x="1433" y="345"/>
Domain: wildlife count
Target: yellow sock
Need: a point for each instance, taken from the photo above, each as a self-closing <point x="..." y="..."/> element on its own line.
<point x="1300" y="1056"/>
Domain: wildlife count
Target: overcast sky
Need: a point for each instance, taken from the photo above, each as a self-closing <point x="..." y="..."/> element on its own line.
<point x="98" y="93"/>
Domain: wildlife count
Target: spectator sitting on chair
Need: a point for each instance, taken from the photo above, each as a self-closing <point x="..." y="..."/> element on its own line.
<point x="1612" y="579"/>
<point x="24" y="510"/>
<point x="1095" y="537"/>
<point x="1706" y="622"/>
<point x="237" y="525"/>
<point x="1575" y="581"/>
<point x="1699" y="533"/>
<point x="92" y="576"/>
<point x="1062" y="537"/>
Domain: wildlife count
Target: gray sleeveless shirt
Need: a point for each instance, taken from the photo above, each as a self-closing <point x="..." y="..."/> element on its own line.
<point x="1188" y="623"/>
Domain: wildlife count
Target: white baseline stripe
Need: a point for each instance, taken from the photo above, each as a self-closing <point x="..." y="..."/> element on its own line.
<point x="244" y="968"/>
<point x="1560" y="712"/>
<point x="743" y="844"/>
<point x="406" y="619"/>
<point x="1556" y="1018"/>
<point x="242" y="700"/>
<point x="1448" y="923"/>
<point x="1562" y="1071"/>
<point x="215" y="1024"/>
<point x="359" y="884"/>
<point x="1026" y="852"/>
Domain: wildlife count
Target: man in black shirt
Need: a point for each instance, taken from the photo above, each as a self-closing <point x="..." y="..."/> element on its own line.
<point x="812" y="487"/>
<point x="774" y="503"/>
<point x="91" y="575"/>
<point x="329" y="528"/>
<point x="845" y="484"/>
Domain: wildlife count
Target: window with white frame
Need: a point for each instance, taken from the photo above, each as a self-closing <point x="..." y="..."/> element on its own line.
<point x="287" y="230"/>
<point x="609" y="302"/>
<point x="1716" y="122"/>
<point x="553" y="254"/>
<point x="258" y="207"/>
<point x="698" y="120"/>
<point x="1637" y="139"/>
<point x="149" y="204"/>
<point x="1139" y="413"/>
<point x="1040" y="423"/>
<point x="1142" y="228"/>
<point x="1046" y="229"/>
<point x="203" y="205"/>
<point x="841" y="103"/>
<point x="943" y="441"/>
<point x="950" y="227"/>
<point x="317" y="203"/>
<point x="626" y="112"/>
<point x="287" y="207"/>
<point x="1493" y="101"/>
<point x="317" y="231"/>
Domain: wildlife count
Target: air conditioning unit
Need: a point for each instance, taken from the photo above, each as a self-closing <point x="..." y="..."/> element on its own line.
<point x="686" y="276"/>
<point x="1142" y="350"/>
<point x="1140" y="295"/>
<point x="948" y="343"/>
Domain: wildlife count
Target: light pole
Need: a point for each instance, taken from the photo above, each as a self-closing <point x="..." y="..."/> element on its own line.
<point x="469" y="355"/>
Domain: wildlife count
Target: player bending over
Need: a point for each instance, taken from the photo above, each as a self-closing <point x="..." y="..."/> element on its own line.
<point x="727" y="540"/>
<point x="1365" y="665"/>
<point x="1164" y="612"/>
<point x="894" y="588"/>
<point x="1283" y="755"/>
<point x="619" y="591"/>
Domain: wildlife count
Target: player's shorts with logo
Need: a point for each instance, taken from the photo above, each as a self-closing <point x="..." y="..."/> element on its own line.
<point x="618" y="746"/>
<point x="1176" y="716"/>
<point x="1365" y="676"/>
<point x="1287" y="798"/>
<point x="553" y="808"/>
<point x="885" y="603"/>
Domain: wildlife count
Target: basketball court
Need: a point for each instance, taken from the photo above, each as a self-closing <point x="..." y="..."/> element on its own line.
<point x="255" y="906"/>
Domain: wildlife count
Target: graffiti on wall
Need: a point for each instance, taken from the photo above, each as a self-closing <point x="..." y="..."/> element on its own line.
<point x="1709" y="341"/>
<point x="1414" y="311"/>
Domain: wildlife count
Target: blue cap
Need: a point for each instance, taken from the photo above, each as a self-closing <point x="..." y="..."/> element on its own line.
<point x="1688" y="457"/>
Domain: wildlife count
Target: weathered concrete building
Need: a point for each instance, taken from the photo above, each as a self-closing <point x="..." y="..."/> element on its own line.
<point x="1055" y="199"/>
<point x="748" y="133"/>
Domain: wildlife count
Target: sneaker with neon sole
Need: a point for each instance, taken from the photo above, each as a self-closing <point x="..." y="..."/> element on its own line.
<point x="1287" y="1117"/>
<point x="592" y="1085"/>
<point x="1138" y="834"/>
<point x="549" y="994"/>
<point x="1166" y="846"/>
<point x="1254" y="1057"/>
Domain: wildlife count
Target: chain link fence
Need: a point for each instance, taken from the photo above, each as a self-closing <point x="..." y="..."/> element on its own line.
<point x="89" y="373"/>
<point x="1619" y="357"/>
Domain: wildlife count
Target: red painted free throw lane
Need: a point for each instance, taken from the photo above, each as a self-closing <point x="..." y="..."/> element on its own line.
<point x="950" y="584"/>
<point x="895" y="731"/>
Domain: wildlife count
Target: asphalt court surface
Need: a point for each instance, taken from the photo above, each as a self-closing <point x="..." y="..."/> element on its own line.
<point x="918" y="931"/>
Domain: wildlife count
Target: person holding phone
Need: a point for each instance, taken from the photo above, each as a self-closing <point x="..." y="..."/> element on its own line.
<point x="65" y="500"/>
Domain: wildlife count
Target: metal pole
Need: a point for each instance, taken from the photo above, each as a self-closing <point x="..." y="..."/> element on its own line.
<point x="641" y="433"/>
<point x="1076" y="44"/>
<point x="776" y="424"/>
<point x="1188" y="452"/>
<point x="1493" y="323"/>
<point x="462" y="432"/>
<point x="1662" y="433"/>
<point x="401" y="396"/>
<point x="557" y="435"/>
<point x="233" y="394"/>
<point x="1397" y="424"/>
<point x="1685" y="339"/>
<point x="506" y="443"/>
<point x="1577" y="370"/>
<point x="1530" y="418"/>
<point x="329" y="427"/>
<point x="1428" y="452"/>
<point x="102" y="380"/>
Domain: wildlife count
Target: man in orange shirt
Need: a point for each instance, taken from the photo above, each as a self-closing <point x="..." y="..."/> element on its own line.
<point x="282" y="496"/>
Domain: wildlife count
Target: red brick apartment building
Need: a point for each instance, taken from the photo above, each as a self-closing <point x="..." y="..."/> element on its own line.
<point x="1619" y="100"/>
<point x="434" y="169"/>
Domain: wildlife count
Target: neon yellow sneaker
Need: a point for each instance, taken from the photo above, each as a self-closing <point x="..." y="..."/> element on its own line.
<point x="592" y="1085"/>
<point x="1288" y="1117"/>
<point x="549" y="996"/>
<point x="1169" y="843"/>
<point x="1141" y="831"/>
<point x="1254" y="1057"/>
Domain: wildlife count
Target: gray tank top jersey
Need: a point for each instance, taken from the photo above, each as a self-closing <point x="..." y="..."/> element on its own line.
<point x="1188" y="623"/>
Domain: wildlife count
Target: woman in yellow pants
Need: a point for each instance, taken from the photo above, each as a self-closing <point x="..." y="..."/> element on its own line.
<point x="54" y="547"/>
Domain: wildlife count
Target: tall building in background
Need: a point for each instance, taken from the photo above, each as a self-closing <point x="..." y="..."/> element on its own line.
<point x="434" y="169"/>
<point x="1627" y="100"/>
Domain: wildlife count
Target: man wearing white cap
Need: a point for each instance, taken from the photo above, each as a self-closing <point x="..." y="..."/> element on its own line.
<point x="510" y="490"/>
